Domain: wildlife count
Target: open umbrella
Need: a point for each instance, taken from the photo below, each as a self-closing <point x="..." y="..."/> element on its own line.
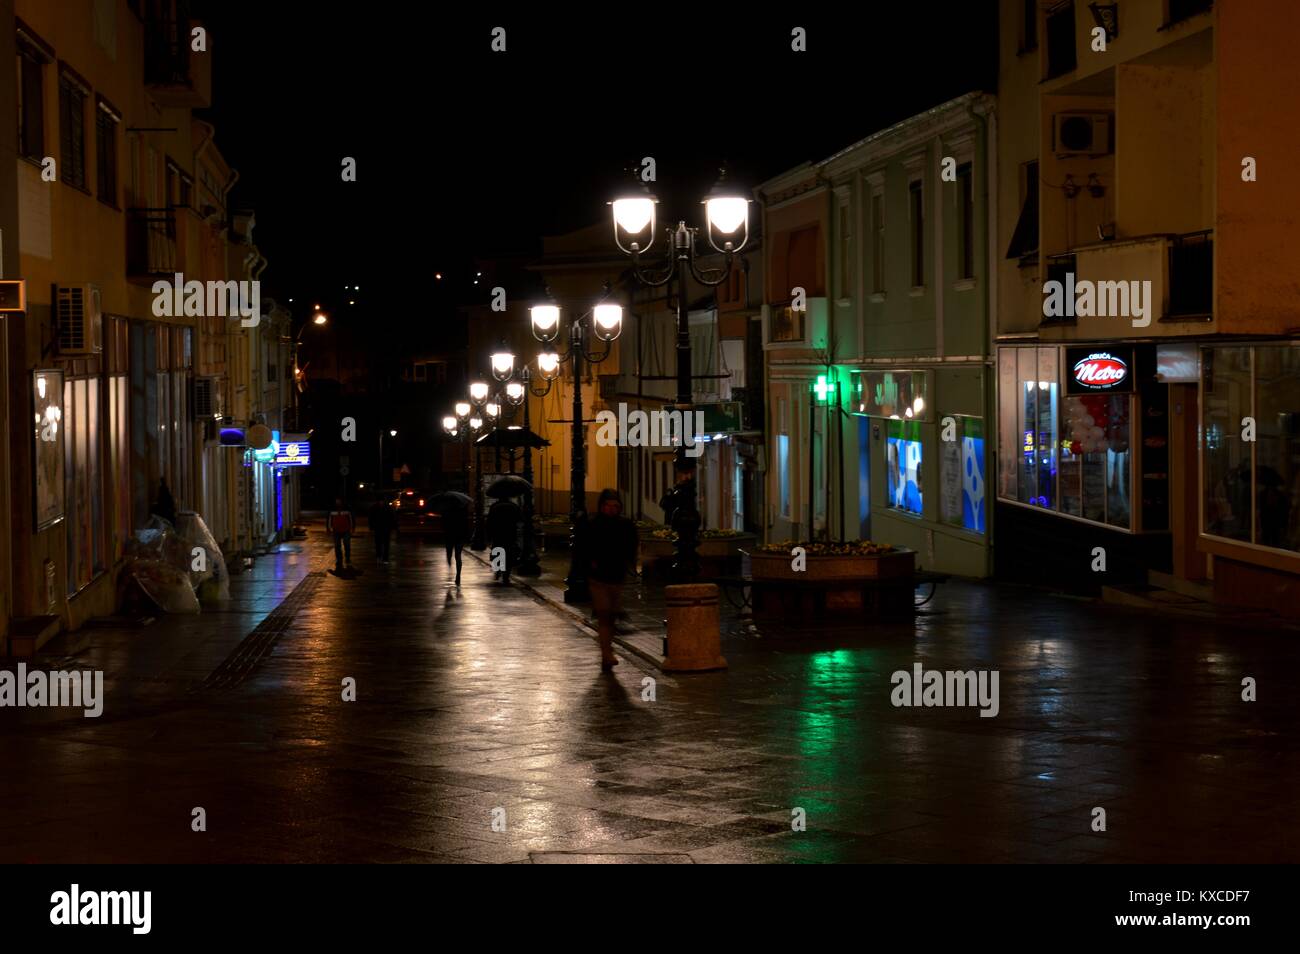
<point x="508" y="486"/>
<point x="449" y="501"/>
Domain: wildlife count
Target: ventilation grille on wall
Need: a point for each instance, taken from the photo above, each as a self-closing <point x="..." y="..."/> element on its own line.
<point x="207" y="398"/>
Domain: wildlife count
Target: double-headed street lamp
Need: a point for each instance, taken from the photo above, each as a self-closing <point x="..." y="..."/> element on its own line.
<point x="727" y="226"/>
<point x="603" y="322"/>
<point x="457" y="427"/>
<point x="463" y="425"/>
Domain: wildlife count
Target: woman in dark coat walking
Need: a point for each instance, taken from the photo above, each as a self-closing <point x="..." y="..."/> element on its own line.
<point x="608" y="545"/>
<point x="455" y="531"/>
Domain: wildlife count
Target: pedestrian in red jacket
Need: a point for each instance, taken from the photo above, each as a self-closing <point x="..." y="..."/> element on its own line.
<point x="341" y="524"/>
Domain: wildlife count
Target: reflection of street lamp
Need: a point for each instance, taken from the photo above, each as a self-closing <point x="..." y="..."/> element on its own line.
<point x="606" y="322"/>
<point x="727" y="230"/>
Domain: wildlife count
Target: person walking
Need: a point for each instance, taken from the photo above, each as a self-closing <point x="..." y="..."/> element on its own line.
<point x="609" y="547"/>
<point x="503" y="532"/>
<point x="341" y="524"/>
<point x="381" y="519"/>
<point x="455" y="531"/>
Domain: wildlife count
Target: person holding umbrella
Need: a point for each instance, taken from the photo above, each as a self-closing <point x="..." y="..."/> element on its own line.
<point x="504" y="518"/>
<point x="453" y="508"/>
<point x="503" y="533"/>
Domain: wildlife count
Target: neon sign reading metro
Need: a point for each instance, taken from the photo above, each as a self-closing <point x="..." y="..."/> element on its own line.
<point x="1100" y="370"/>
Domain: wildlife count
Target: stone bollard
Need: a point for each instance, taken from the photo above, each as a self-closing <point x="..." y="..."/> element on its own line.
<point x="694" y="629"/>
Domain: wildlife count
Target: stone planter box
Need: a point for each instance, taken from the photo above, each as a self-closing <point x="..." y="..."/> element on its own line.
<point x="872" y="586"/>
<point x="719" y="556"/>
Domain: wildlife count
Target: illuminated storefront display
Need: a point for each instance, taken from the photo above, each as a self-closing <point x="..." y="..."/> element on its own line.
<point x="1072" y="413"/>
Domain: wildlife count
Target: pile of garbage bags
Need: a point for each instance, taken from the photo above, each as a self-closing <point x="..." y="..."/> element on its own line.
<point x="177" y="566"/>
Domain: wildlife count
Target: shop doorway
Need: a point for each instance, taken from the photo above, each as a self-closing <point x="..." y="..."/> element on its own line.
<point x="1184" y="481"/>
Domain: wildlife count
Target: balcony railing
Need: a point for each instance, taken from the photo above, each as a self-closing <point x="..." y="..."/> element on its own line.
<point x="1191" y="276"/>
<point x="151" y="242"/>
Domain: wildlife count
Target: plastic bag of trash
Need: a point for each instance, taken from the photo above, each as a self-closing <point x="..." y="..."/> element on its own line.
<point x="165" y="584"/>
<point x="207" y="566"/>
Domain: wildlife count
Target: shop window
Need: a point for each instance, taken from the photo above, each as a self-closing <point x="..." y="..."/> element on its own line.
<point x="903" y="463"/>
<point x="1227" y="468"/>
<point x="1008" y="426"/>
<point x="119" y="461"/>
<point x="1277" y="448"/>
<point x="84" y="523"/>
<point x="1036" y="393"/>
<point x="963" y="475"/>
<point x="783" y="471"/>
<point x="1096" y="457"/>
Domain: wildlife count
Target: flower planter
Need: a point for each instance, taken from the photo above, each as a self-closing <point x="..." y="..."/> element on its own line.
<point x="719" y="556"/>
<point x="867" y="585"/>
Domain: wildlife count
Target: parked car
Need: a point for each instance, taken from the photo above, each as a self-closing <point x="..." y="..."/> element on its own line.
<point x="415" y="515"/>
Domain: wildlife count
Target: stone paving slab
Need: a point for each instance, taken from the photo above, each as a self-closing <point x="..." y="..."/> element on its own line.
<point x="479" y="704"/>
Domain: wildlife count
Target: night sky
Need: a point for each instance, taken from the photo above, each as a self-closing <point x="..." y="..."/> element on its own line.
<point x="464" y="155"/>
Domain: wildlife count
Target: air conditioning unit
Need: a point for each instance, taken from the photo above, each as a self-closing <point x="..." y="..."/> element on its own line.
<point x="207" y="398"/>
<point x="1082" y="134"/>
<point x="78" y="320"/>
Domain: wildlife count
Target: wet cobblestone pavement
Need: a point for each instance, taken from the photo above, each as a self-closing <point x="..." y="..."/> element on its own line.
<point x="485" y="698"/>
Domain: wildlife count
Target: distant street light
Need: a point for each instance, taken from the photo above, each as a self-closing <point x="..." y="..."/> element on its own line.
<point x="503" y="365"/>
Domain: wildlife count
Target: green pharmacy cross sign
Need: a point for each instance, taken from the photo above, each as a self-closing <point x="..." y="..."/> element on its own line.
<point x="823" y="389"/>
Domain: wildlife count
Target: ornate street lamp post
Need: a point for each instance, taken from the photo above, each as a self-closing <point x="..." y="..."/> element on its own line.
<point x="603" y="322"/>
<point x="516" y="393"/>
<point x="479" y="392"/>
<point x="727" y="227"/>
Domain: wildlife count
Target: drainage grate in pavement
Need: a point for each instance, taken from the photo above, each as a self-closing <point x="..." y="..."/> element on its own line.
<point x="597" y="858"/>
<point x="257" y="645"/>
